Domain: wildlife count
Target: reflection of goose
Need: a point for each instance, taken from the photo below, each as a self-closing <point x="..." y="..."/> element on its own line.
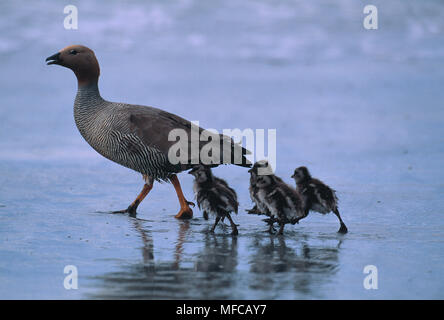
<point x="147" y="241"/>
<point x="149" y="279"/>
<point x="212" y="277"/>
<point x="184" y="226"/>
<point x="288" y="271"/>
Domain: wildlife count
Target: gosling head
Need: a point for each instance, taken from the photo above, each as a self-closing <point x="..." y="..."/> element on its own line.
<point x="300" y="174"/>
<point x="201" y="173"/>
<point x="81" y="60"/>
<point x="261" y="167"/>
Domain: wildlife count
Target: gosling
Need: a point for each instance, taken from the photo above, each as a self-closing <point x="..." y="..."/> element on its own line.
<point x="317" y="195"/>
<point x="274" y="198"/>
<point x="214" y="196"/>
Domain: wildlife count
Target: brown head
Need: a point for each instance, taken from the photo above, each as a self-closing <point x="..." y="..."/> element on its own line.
<point x="81" y="60"/>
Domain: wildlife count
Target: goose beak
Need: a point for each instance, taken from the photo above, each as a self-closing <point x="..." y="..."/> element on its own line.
<point x="54" y="59"/>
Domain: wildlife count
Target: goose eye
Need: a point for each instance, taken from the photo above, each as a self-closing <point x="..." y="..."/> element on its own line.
<point x="74" y="52"/>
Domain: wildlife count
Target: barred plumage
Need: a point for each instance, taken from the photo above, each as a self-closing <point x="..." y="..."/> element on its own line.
<point x="105" y="126"/>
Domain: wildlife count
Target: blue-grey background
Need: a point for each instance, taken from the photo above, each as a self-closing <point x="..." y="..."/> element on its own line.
<point x="363" y="109"/>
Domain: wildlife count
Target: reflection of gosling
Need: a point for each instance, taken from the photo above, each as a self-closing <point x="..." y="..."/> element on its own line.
<point x="317" y="195"/>
<point x="274" y="198"/>
<point x="214" y="196"/>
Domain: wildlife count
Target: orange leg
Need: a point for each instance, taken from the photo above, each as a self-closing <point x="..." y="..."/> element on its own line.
<point x="185" y="210"/>
<point x="133" y="206"/>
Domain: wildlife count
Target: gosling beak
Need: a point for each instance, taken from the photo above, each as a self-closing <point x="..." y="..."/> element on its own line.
<point x="54" y="59"/>
<point x="292" y="176"/>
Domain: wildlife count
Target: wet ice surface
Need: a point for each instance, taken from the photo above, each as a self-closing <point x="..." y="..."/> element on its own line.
<point x="362" y="109"/>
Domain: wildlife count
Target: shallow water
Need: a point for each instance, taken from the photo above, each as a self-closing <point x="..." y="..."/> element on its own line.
<point x="362" y="109"/>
